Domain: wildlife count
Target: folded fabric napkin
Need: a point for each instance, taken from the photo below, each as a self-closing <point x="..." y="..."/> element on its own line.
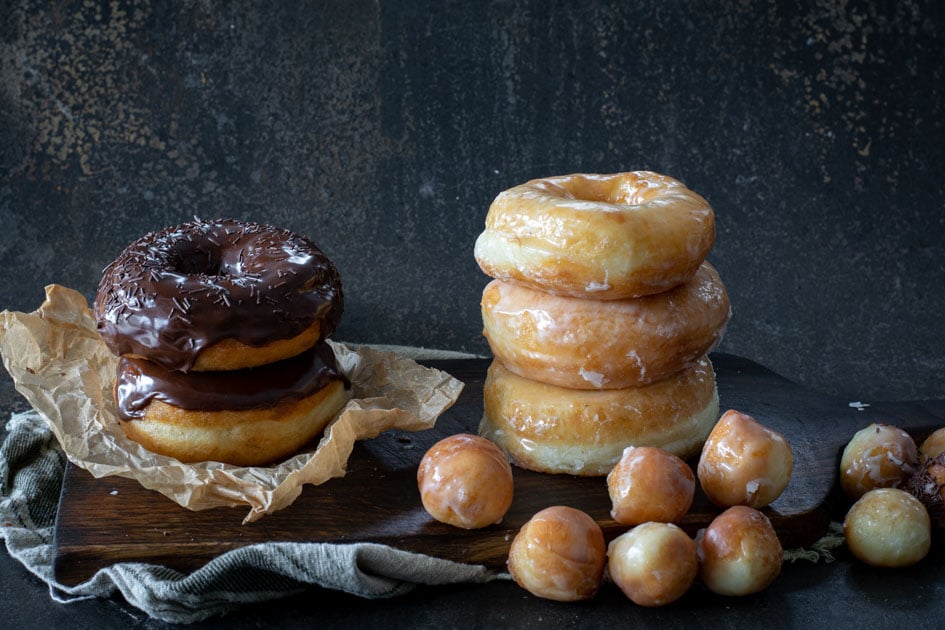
<point x="31" y="472"/>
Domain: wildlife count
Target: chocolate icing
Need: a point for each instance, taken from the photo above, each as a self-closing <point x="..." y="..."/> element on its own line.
<point x="174" y="292"/>
<point x="140" y="381"/>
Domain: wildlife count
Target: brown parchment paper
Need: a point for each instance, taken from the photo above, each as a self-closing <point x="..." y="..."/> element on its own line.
<point x="60" y="364"/>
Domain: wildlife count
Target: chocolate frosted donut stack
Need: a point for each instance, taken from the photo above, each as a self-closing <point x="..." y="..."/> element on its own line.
<point x="600" y="317"/>
<point x="220" y="329"/>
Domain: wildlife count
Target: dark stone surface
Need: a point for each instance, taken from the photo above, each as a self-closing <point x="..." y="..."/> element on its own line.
<point x="839" y="595"/>
<point x="383" y="130"/>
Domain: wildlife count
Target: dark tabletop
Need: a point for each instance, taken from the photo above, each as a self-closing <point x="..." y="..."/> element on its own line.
<point x="383" y="131"/>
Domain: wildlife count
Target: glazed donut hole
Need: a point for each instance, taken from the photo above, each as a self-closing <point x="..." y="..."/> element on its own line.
<point x="744" y="462"/>
<point x="878" y="456"/>
<point x="739" y="552"/>
<point x="650" y="484"/>
<point x="654" y="564"/>
<point x="466" y="481"/>
<point x="888" y="527"/>
<point x="933" y="446"/>
<point x="559" y="554"/>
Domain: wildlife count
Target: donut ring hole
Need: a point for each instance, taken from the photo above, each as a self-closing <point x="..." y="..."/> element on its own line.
<point x="207" y="259"/>
<point x="624" y="190"/>
<point x="194" y="259"/>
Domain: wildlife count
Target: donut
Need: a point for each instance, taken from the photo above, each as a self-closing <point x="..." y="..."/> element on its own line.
<point x="553" y="429"/>
<point x="559" y="554"/>
<point x="650" y="484"/>
<point x="247" y="417"/>
<point x="465" y="481"/>
<point x="595" y="344"/>
<point x="654" y="563"/>
<point x="602" y="236"/>
<point x="744" y="462"/>
<point x="888" y="527"/>
<point x="877" y="456"/>
<point x="739" y="552"/>
<point x="218" y="295"/>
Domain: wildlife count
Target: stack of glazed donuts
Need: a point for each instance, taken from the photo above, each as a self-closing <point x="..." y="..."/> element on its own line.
<point x="600" y="317"/>
<point x="220" y="330"/>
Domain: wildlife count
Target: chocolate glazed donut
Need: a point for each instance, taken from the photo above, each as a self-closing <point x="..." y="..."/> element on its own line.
<point x="256" y="293"/>
<point x="139" y="382"/>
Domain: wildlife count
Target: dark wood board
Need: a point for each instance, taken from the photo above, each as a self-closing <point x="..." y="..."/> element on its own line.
<point x="109" y="520"/>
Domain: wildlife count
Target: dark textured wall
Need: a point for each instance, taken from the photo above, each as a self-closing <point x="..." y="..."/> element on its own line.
<point x="383" y="131"/>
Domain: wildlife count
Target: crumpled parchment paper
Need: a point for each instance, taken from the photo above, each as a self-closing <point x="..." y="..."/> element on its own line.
<point x="60" y="364"/>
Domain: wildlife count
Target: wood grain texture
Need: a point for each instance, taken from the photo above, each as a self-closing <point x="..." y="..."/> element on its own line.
<point x="103" y="521"/>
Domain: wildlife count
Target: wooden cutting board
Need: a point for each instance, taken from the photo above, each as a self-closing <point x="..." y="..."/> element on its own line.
<point x="104" y="521"/>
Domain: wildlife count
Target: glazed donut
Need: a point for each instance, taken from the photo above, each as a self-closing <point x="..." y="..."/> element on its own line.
<point x="605" y="237"/>
<point x="240" y="417"/>
<point x="594" y="344"/>
<point x="580" y="432"/>
<point x="218" y="295"/>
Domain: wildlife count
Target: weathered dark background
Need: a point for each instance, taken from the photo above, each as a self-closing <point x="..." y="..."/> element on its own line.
<point x="384" y="130"/>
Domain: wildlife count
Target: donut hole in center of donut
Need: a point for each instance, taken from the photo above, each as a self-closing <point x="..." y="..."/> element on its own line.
<point x="197" y="260"/>
<point x="625" y="189"/>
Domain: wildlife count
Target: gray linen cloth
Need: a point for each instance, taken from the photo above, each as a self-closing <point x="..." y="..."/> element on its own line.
<point x="31" y="473"/>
